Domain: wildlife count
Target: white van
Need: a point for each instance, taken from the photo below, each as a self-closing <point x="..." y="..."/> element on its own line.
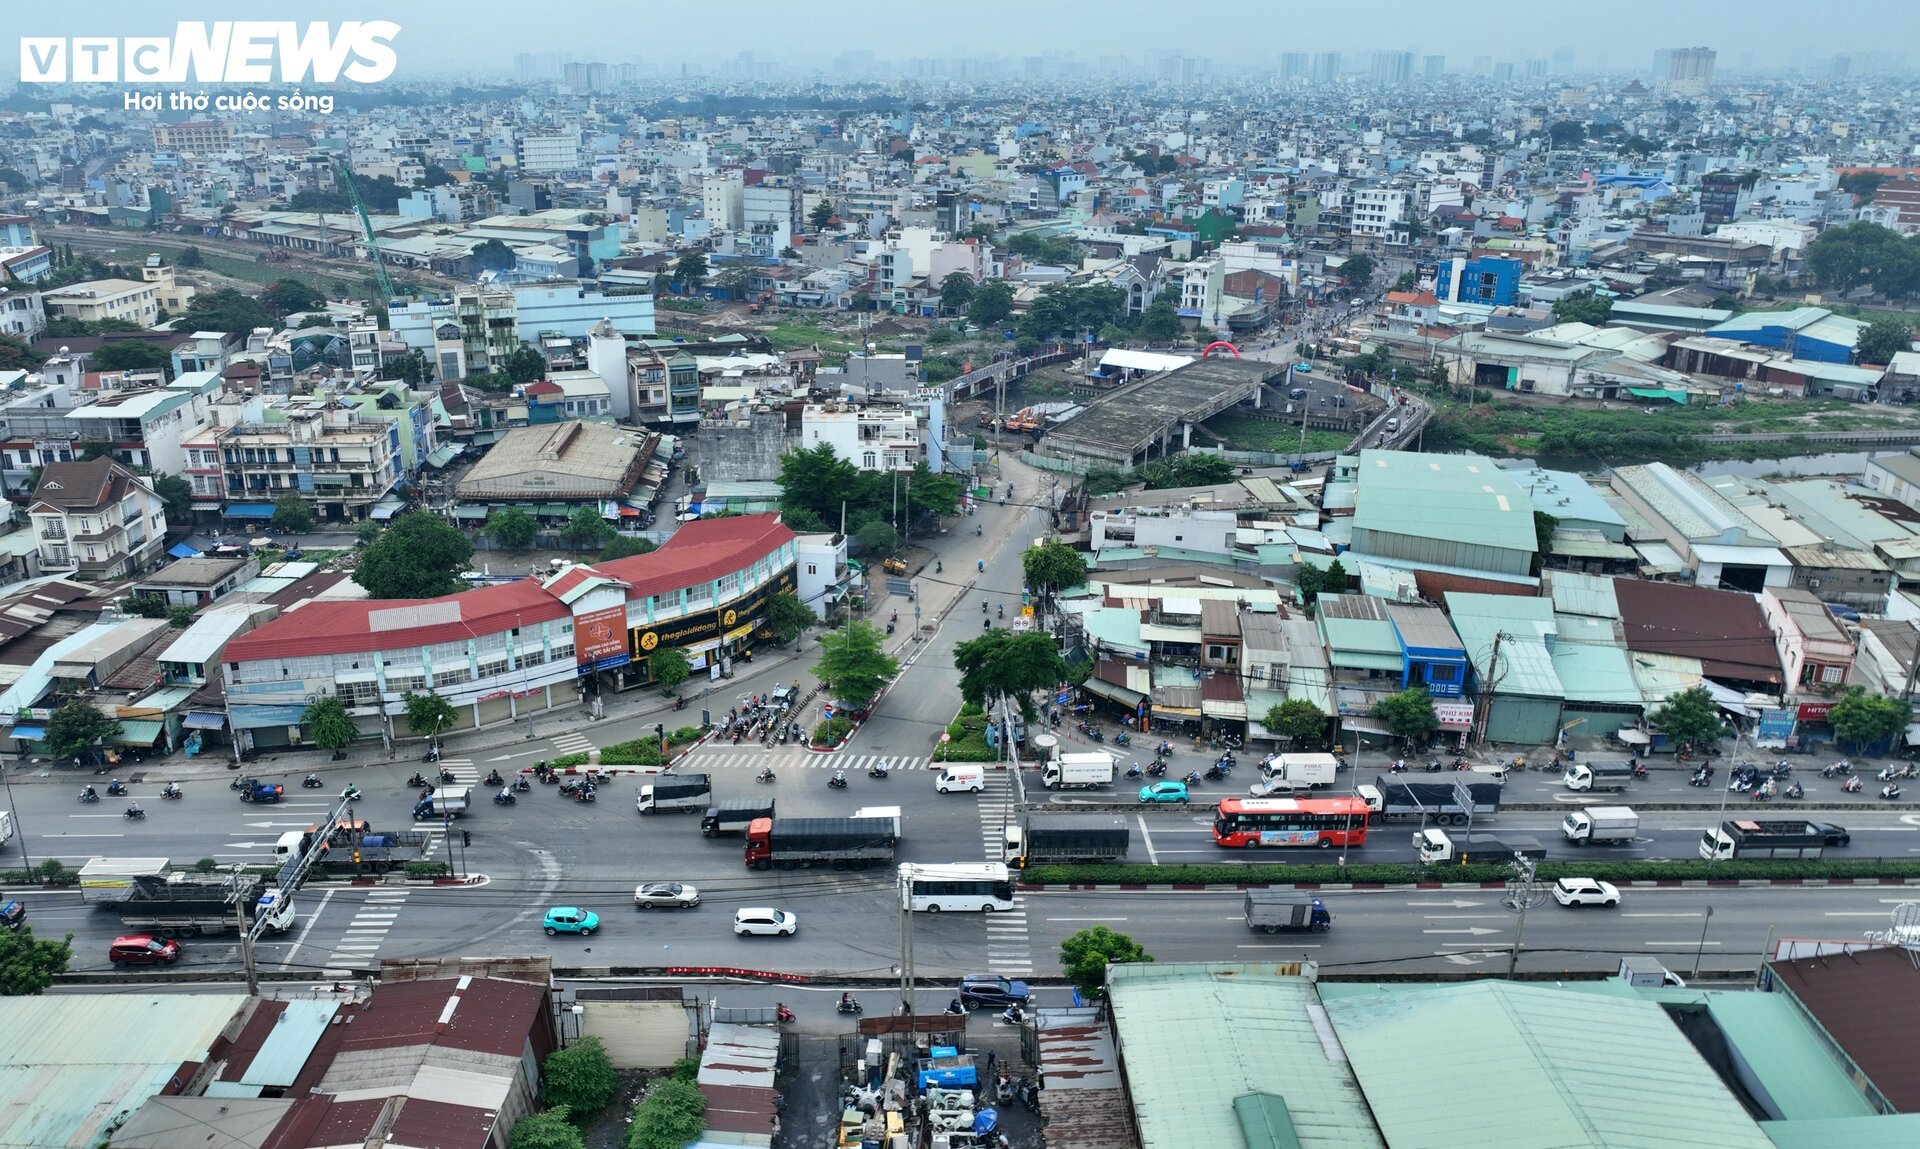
<point x="961" y="776"/>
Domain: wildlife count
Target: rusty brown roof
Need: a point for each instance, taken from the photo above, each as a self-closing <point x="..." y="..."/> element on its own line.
<point x="1724" y="629"/>
<point x="1868" y="1002"/>
<point x="239" y="1056"/>
<point x="739" y="1108"/>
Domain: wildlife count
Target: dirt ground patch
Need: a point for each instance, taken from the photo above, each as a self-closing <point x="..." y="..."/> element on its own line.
<point x="608" y="1130"/>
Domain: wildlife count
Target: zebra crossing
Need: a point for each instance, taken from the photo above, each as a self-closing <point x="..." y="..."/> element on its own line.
<point x="572" y="742"/>
<point x="725" y="755"/>
<point x="360" y="942"/>
<point x="1009" y="946"/>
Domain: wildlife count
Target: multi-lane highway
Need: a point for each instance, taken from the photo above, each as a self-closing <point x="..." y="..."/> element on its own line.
<point x="545" y="850"/>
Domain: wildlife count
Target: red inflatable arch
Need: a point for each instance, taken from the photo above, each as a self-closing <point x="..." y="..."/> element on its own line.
<point x="1222" y="343"/>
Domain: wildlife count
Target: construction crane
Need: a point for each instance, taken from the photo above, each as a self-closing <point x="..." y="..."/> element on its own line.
<point x="373" y="244"/>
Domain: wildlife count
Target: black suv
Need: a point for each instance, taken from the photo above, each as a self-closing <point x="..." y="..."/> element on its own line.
<point x="984" y="989"/>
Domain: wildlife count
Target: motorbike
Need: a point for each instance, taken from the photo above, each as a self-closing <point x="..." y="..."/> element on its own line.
<point x="1134" y="771"/>
<point x="1095" y="734"/>
<point x="351" y="793"/>
<point x="1123" y="739"/>
<point x="1399" y="766"/>
<point x="1158" y="769"/>
<point x="1852" y="785"/>
<point x="986" y="624"/>
<point x="583" y="794"/>
<point x="783" y="1015"/>
<point x="939" y="568"/>
<point x="1760" y="794"/>
<point x="847" y="1005"/>
<point x="504" y="798"/>
<point x="135" y="813"/>
<point x="494" y="779"/>
<point x="838" y="781"/>
<point x="679" y="704"/>
<point x="418" y="779"/>
<point x="983" y="606"/>
<point x="879" y="772"/>
<point x="522" y="785"/>
<point x="432" y="754"/>
<point x="1192" y="778"/>
<point x="1640" y="774"/>
<point x="1889" y="792"/>
<point x="1838" y="768"/>
<point x="954" y="1009"/>
<point x="1794" y="791"/>
<point x="116" y="789"/>
<point x="574" y="785"/>
<point x="88" y="795"/>
<point x="1433" y="766"/>
<point x="1165" y="750"/>
<point x="446" y="775"/>
<point x="764" y="775"/>
<point x="1214" y="774"/>
<point x="311" y="781"/>
<point x="173" y="791"/>
<point x="1700" y="780"/>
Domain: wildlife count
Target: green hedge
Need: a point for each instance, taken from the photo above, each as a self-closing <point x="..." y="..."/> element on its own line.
<point x="1613" y="871"/>
<point x="428" y="870"/>
<point x="968" y="732"/>
<point x="47" y="873"/>
<point x="832" y="732"/>
<point x="644" y="751"/>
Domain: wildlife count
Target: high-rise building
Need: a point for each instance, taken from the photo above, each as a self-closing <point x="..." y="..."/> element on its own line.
<point x="1503" y="72"/>
<point x="1562" y="61"/>
<point x="1838" y="68"/>
<point x="1689" y="71"/>
<point x="1326" y="67"/>
<point x="1483" y="65"/>
<point x="1536" y="69"/>
<point x="1436" y="67"/>
<point x="1293" y="65"/>
<point x="1391" y="67"/>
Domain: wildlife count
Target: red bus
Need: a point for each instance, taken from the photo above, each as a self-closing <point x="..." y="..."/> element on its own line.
<point x="1322" y="822"/>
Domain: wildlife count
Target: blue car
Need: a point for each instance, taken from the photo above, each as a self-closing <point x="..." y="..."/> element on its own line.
<point x="1164" y="792"/>
<point x="12" y="914"/>
<point x="571" y="920"/>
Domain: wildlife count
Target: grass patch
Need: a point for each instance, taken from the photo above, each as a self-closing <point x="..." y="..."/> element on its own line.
<point x="234" y="267"/>
<point x="1246" y="433"/>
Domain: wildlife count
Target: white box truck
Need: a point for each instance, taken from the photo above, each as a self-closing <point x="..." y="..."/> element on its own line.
<point x="1312" y="769"/>
<point x="882" y="813"/>
<point x="1601" y="825"/>
<point x="1078" y="771"/>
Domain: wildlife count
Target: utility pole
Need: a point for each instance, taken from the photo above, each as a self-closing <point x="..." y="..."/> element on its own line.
<point x="246" y="942"/>
<point x="1523" y="893"/>
<point x="1485" y="705"/>
<point x="1913" y="665"/>
<point x="906" y="952"/>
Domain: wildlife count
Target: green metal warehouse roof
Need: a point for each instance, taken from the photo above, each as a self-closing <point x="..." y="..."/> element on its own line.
<point x="1199" y="1037"/>
<point x="1459" y="498"/>
<point x="1892" y="1131"/>
<point x="1526" y="665"/>
<point x="1790" y="1059"/>
<point x="1538" y="1067"/>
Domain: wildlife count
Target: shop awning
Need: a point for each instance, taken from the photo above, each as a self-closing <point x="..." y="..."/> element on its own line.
<point x="138" y="732"/>
<point x="183" y="551"/>
<point x="1632" y="737"/>
<point x="441" y="456"/>
<point x="384" y="511"/>
<point x="28" y="731"/>
<point x="248" y="511"/>
<point x="204" y="720"/>
<point x="1364" y="725"/>
<point x="474" y="513"/>
<point x="554" y="511"/>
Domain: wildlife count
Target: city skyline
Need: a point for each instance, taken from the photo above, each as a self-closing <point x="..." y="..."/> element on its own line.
<point x="474" y="40"/>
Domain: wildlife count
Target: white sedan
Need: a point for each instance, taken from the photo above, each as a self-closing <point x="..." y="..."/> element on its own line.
<point x="1585" y="892"/>
<point x="673" y="895"/>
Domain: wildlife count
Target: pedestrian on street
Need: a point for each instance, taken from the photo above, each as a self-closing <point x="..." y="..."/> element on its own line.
<point x="990" y="1060"/>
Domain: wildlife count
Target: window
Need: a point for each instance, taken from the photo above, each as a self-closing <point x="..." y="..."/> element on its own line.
<point x="357" y="693"/>
<point x="452" y="677"/>
<point x="406" y="683"/>
<point x="563" y="651"/>
<point x="491" y="669"/>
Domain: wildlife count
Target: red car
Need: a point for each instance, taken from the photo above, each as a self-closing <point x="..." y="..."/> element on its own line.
<point x="143" y="949"/>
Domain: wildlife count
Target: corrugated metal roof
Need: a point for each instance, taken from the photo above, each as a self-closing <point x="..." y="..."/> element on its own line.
<point x="1198" y="1036"/>
<point x="72" y="1061"/>
<point x="1463" y="499"/>
<point x="1526" y="666"/>
<point x="290" y="1043"/>
<point x="1550" y="1068"/>
<point x="1575" y="593"/>
<point x="1890" y="1131"/>
<point x="1777" y="1045"/>
<point x="1595" y="673"/>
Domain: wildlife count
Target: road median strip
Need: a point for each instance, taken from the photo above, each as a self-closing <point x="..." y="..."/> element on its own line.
<point x="1382" y="875"/>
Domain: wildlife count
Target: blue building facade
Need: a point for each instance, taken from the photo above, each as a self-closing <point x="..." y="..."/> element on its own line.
<point x="1812" y="333"/>
<point x="1490" y="280"/>
<point x="1432" y="655"/>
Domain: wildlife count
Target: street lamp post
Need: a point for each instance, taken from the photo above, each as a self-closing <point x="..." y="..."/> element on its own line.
<point x="1701" y="953"/>
<point x="26" y="862"/>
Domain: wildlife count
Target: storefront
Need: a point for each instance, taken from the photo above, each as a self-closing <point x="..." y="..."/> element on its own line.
<point x="708" y="638"/>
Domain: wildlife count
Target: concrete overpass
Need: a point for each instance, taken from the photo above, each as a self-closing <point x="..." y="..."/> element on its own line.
<point x="1154" y="417"/>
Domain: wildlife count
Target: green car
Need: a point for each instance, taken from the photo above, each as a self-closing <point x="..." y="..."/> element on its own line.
<point x="571" y="920"/>
<point x="1164" y="792"/>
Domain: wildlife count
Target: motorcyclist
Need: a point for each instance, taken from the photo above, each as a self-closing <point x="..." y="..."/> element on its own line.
<point x="1014" y="1014"/>
<point x="954" y="1007"/>
<point x="846" y="1001"/>
<point x="1002" y="610"/>
<point x="88" y="794"/>
<point x="493" y="777"/>
<point x="781" y="1011"/>
<point x="937" y="568"/>
<point x="351" y="793"/>
<point x="839" y="778"/>
<point x="172" y="789"/>
<point x="133" y="809"/>
<point x="114" y="787"/>
<point x="980" y="565"/>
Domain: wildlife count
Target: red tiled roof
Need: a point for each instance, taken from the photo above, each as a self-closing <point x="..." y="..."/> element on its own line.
<point x="544" y="387"/>
<point x="698" y="552"/>
<point x="1221" y="688"/>
<point x="1724" y="629"/>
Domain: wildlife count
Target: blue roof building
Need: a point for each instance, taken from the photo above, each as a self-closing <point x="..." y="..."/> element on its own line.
<point x="1804" y="332"/>
<point x="1490" y="281"/>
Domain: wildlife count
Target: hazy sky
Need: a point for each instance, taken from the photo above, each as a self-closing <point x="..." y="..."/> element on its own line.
<point x="477" y="36"/>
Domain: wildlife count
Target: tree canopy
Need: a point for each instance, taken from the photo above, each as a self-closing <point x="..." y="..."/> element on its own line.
<point x="1863" y="720"/>
<point x="990" y="303"/>
<point x="1084" y="958"/>
<point x="787" y="617"/>
<point x="955" y="292"/>
<point x="1052" y="567"/>
<point x="292" y="514"/>
<point x="28" y="964"/>
<point x="586" y="528"/>
<point x="690" y="270"/>
<point x="525" y="365"/>
<point x="851" y="659"/>
<point x="546" y="1130"/>
<point x="76" y="727"/>
<point x="821" y="217"/>
<point x="1296" y="718"/>
<point x="1860" y="254"/>
<point x="328" y="725"/>
<point x="494" y="256"/>
<point x="579" y="1076"/>
<point x="1409" y="714"/>
<point x="1189" y="470"/>
<point x="227" y="310"/>
<point x="177" y="493"/>
<point x="626" y="546"/>
<point x="1004" y="664"/>
<point x="418" y="556"/>
<point x="427" y="713"/>
<point x="669" y="666"/>
<point x="1690" y="717"/>
<point x="1883" y="339"/>
<point x="1357" y="270"/>
<point x="1586" y="307"/>
<point x="511" y="528"/>
<point x="130" y="355"/>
